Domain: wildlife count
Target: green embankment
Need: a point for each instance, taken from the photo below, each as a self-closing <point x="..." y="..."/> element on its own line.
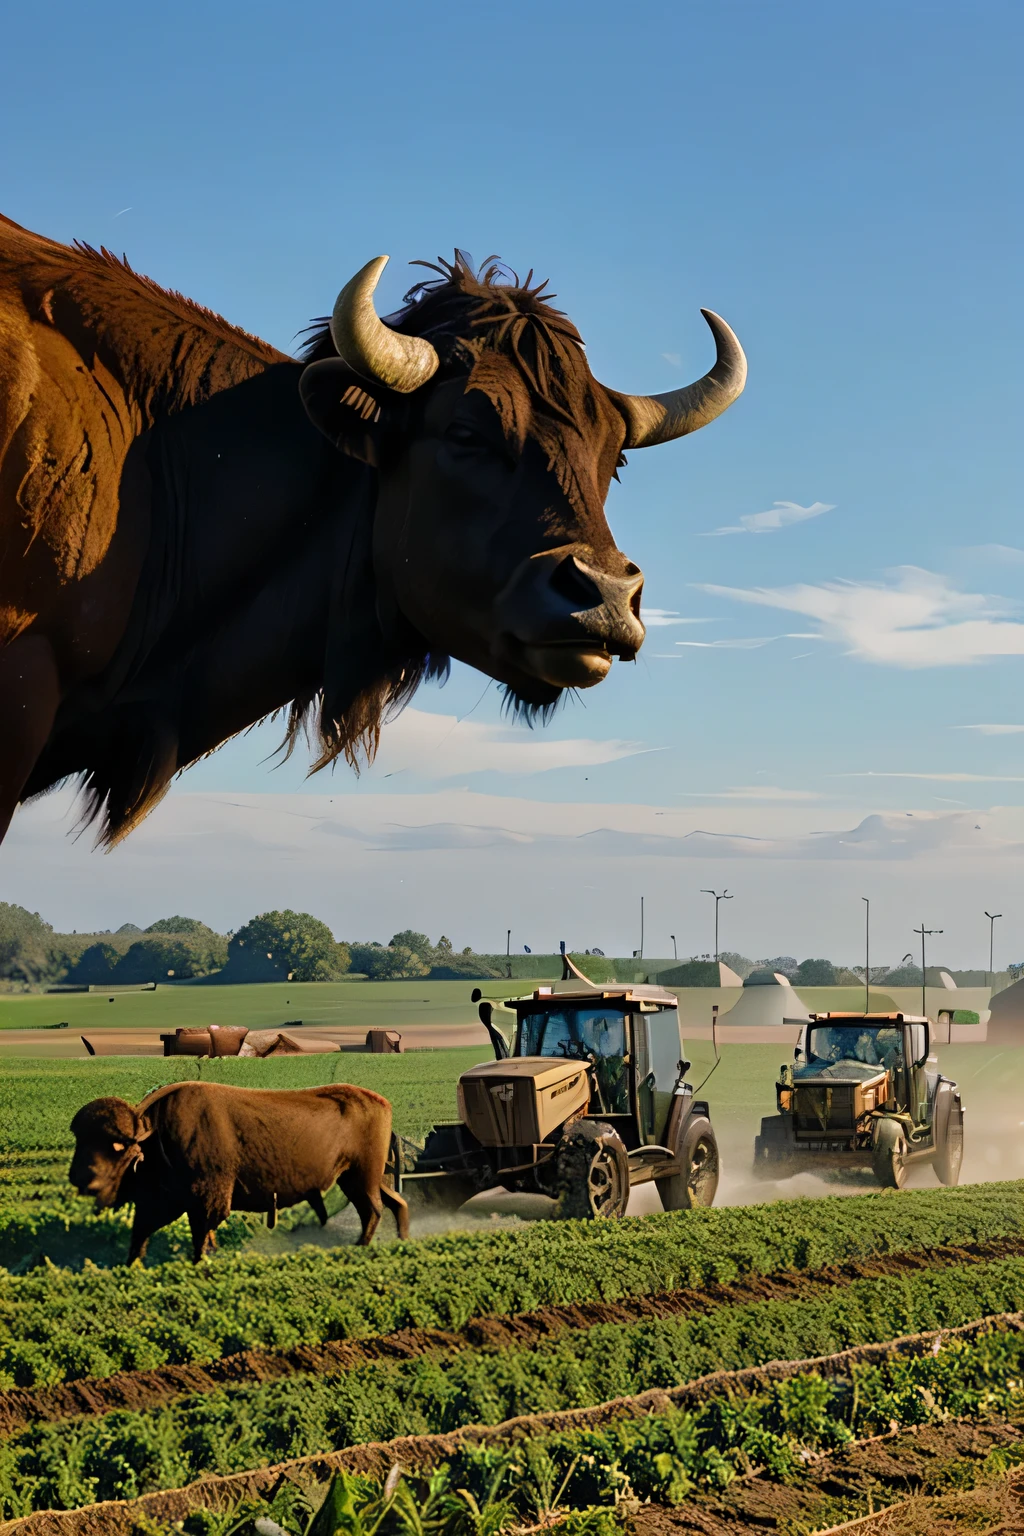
<point x="59" y="1325"/>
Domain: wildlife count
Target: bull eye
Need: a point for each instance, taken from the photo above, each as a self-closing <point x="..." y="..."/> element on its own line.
<point x="465" y="436"/>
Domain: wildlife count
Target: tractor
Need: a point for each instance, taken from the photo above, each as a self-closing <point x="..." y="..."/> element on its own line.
<point x="590" y="1100"/>
<point x="863" y="1091"/>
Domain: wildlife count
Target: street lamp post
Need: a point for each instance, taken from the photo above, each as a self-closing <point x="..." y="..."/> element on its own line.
<point x="641" y="927"/>
<point x="508" y="944"/>
<point x="723" y="896"/>
<point x="675" y="951"/>
<point x="867" y="954"/>
<point x="925" y="933"/>
<point x="991" y="940"/>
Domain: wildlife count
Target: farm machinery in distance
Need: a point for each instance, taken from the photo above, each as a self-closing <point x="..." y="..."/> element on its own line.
<point x="863" y="1091"/>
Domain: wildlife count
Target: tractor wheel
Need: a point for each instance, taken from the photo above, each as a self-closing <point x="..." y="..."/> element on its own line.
<point x="698" y="1182"/>
<point x="773" y="1149"/>
<point x="592" y="1173"/>
<point x="888" y="1154"/>
<point x="951" y="1154"/>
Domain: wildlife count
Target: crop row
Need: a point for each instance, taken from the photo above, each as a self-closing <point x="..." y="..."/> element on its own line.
<point x="674" y="1452"/>
<point x="57" y="1325"/>
<point x="124" y="1454"/>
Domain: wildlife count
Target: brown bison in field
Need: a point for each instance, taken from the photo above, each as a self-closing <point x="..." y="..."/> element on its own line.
<point x="204" y="1149"/>
<point x="197" y="530"/>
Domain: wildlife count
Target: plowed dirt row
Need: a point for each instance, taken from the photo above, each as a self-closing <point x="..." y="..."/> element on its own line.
<point x="937" y="1459"/>
<point x="121" y="1517"/>
<point x="137" y="1390"/>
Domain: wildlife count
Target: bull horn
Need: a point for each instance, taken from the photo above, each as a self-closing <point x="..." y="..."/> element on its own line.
<point x="653" y="419"/>
<point x="371" y="348"/>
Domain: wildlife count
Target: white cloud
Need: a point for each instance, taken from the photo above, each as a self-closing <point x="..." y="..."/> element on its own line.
<point x="781" y="514"/>
<point x="1005" y="552"/>
<point x="937" y="778"/>
<point x="443" y="747"/>
<point x="916" y="620"/>
<point x="752" y="643"/>
<point x="992" y="730"/>
<point x="753" y="792"/>
<point x="674" y="358"/>
<point x="656" y="618"/>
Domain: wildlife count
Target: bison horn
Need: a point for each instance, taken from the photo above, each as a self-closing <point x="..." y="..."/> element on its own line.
<point x="370" y="347"/>
<point x="652" y="419"/>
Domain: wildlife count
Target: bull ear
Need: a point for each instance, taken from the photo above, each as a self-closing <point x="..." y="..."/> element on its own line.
<point x="346" y="408"/>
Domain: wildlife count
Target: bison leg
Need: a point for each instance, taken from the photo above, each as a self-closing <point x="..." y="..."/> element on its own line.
<point x="315" y="1200"/>
<point x="29" y="695"/>
<point x="150" y="1216"/>
<point x="398" y="1208"/>
<point x="368" y="1207"/>
<point x="202" y="1224"/>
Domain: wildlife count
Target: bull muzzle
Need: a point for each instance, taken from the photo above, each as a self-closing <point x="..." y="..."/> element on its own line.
<point x="563" y="618"/>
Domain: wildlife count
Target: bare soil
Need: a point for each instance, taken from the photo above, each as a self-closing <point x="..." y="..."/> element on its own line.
<point x="138" y="1390"/>
<point x="930" y="1479"/>
<point x="425" y="1452"/>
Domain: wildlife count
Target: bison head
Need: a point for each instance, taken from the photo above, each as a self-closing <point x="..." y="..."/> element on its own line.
<point x="108" y="1146"/>
<point x="494" y="447"/>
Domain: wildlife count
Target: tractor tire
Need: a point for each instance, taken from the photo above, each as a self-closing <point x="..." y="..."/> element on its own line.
<point x="773" y="1150"/>
<point x="949" y="1157"/>
<point x="592" y="1173"/>
<point x="888" y="1154"/>
<point x="698" y="1182"/>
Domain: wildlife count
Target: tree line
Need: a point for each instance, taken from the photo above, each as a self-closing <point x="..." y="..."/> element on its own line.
<point x="273" y="946"/>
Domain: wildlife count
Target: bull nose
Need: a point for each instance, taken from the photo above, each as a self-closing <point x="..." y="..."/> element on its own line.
<point x="566" y="597"/>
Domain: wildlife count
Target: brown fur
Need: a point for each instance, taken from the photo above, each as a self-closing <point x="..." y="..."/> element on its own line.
<point x="205" y="1149"/>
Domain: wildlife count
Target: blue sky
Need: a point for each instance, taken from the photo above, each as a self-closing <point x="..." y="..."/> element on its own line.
<point x="841" y="182"/>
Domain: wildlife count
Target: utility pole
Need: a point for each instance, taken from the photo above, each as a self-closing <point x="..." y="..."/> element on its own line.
<point x="724" y="896"/>
<point x="867" y="954"/>
<point x="925" y="933"/>
<point x="641" y="927"/>
<point x="508" y="944"/>
<point x="991" y="940"/>
<point x="675" y="951"/>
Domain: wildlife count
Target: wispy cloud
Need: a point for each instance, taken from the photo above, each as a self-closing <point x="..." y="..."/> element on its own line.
<point x="752" y="643"/>
<point x="674" y="358"/>
<point x="656" y="618"/>
<point x="937" y="778"/>
<point x="917" y="619"/>
<point x="992" y="730"/>
<point x="753" y="792"/>
<point x="431" y="746"/>
<point x="781" y="514"/>
<point x="1006" y="552"/>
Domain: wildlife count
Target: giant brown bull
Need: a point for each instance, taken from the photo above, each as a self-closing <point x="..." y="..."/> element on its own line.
<point x="205" y="1149"/>
<point x="182" y="552"/>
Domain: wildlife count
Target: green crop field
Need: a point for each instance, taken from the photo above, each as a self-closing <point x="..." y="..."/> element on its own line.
<point x="127" y="1384"/>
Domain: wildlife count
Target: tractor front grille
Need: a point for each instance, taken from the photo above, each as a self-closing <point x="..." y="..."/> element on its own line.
<point x="824" y="1107"/>
<point x="501" y="1113"/>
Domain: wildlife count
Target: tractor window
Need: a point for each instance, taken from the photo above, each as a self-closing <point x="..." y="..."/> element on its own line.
<point x="579" y="1034"/>
<point x="572" y="1031"/>
<point x="871" y="1046"/>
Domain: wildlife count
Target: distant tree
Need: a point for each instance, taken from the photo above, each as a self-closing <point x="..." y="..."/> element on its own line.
<point x="815" y="973"/>
<point x="96" y="966"/>
<point x="389" y="962"/>
<point x="25" y="945"/>
<point x="288" y="945"/>
<point x="845" y="977"/>
<point x="161" y="957"/>
<point x="736" y="962"/>
<point x="904" y="976"/>
<point x="186" y="925"/>
<point x="128" y="928"/>
<point x="785" y="964"/>
<point x="418" y="943"/>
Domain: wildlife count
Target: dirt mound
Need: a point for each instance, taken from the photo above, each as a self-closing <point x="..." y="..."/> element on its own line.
<point x="426" y="1452"/>
<point x="138" y="1390"/>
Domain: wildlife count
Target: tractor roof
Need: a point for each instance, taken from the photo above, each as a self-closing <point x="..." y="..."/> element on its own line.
<point x="625" y="995"/>
<point x="868" y="1018"/>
